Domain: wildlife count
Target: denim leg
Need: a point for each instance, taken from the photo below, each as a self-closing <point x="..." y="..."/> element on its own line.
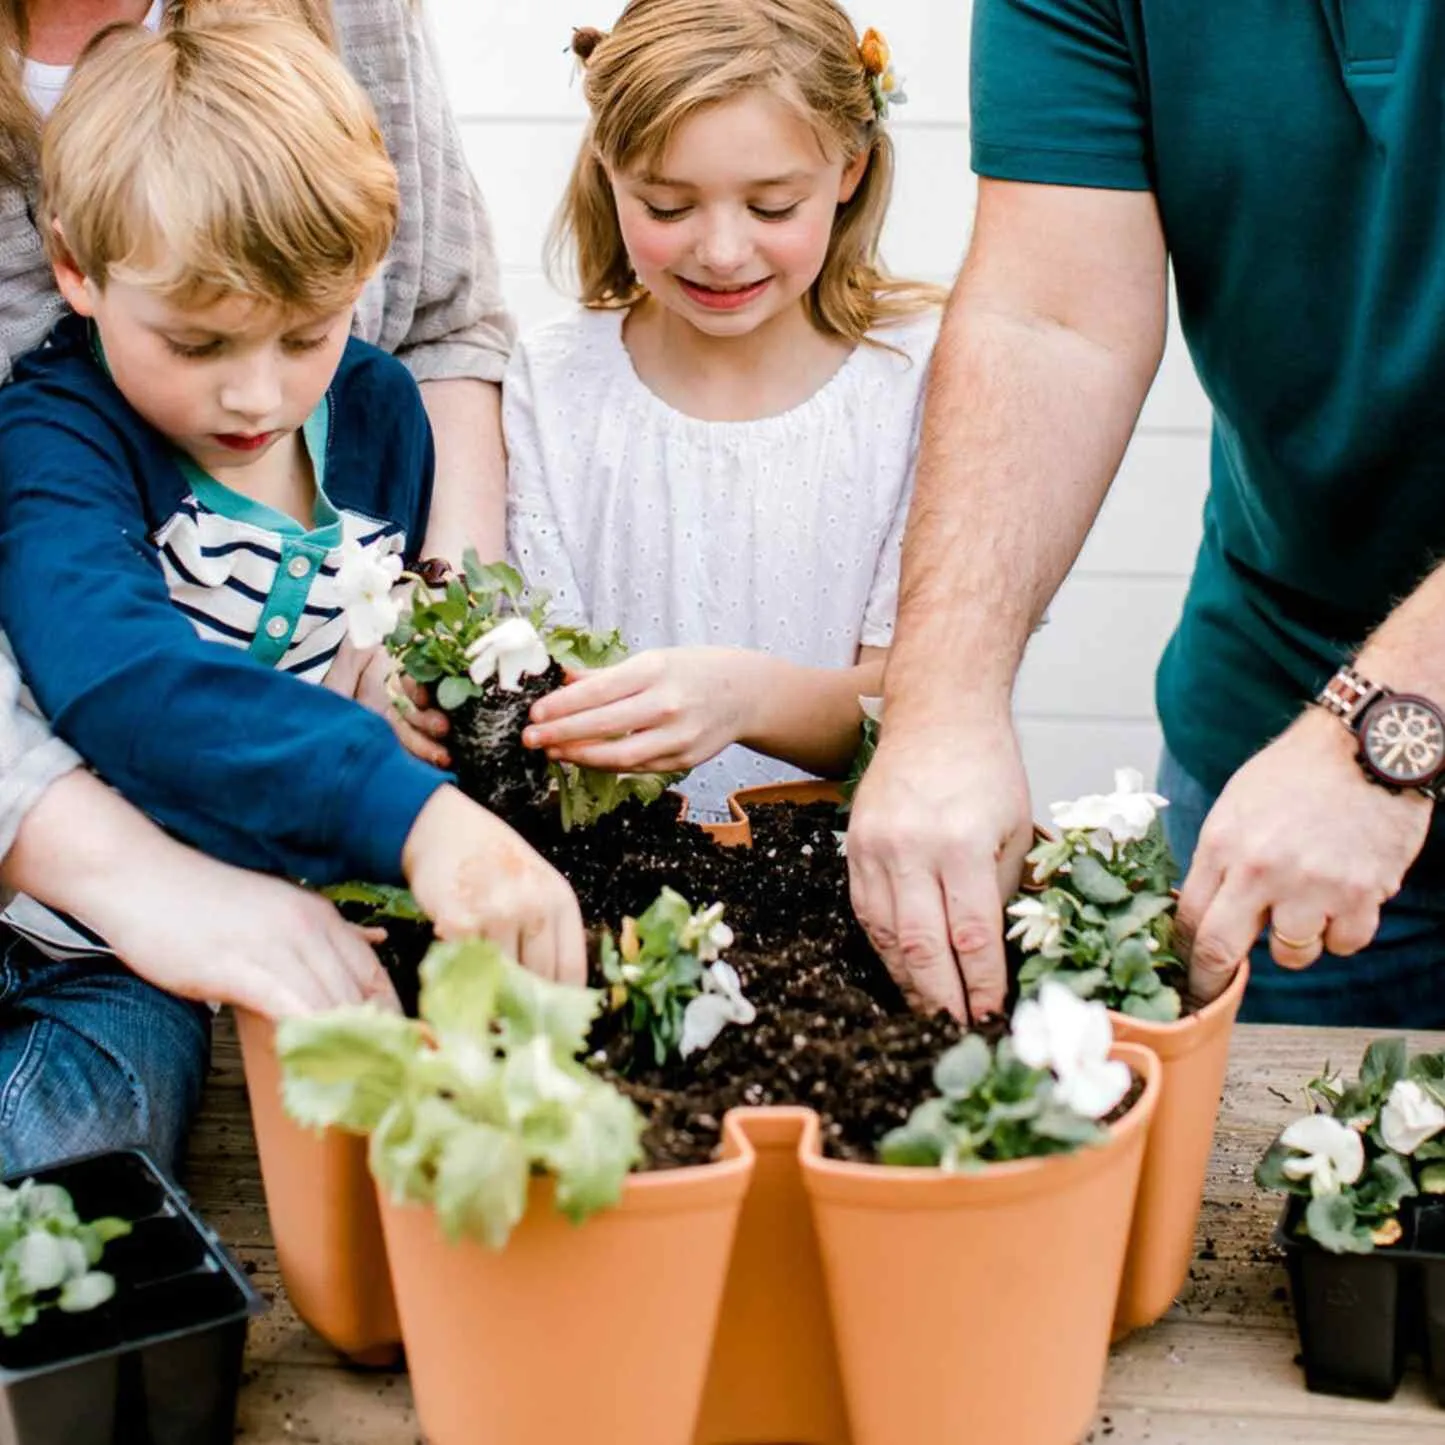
<point x="93" y="1057"/>
<point x="1398" y="982"/>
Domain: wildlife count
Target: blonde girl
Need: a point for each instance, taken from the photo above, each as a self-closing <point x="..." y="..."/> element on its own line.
<point x="715" y="453"/>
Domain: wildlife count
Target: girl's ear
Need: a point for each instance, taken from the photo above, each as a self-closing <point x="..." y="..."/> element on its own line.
<point x="853" y="174"/>
<point x="71" y="282"/>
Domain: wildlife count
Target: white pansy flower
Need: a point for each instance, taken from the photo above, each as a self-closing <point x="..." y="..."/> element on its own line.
<point x="1037" y="926"/>
<point x="719" y="1004"/>
<point x="1125" y="815"/>
<point x="364" y="582"/>
<point x="1410" y="1117"/>
<point x="872" y="708"/>
<point x="1331" y="1154"/>
<point x="510" y="651"/>
<point x="1062" y="1032"/>
<point x="706" y="934"/>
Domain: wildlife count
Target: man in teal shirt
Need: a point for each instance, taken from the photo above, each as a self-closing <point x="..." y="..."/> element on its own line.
<point x="1288" y="158"/>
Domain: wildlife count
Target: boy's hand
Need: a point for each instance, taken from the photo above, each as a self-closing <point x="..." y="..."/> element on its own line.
<point x="206" y="931"/>
<point x="472" y="874"/>
<point x="373" y="678"/>
<point x="659" y="712"/>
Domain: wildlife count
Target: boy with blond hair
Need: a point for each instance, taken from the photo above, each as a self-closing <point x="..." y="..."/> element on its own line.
<point x="191" y="458"/>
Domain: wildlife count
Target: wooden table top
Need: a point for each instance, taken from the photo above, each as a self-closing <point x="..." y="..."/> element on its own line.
<point x="1219" y="1367"/>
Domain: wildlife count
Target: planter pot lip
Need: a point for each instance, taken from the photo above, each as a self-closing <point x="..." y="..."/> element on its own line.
<point x="800" y="791"/>
<point x="886" y="1186"/>
<point x="1183" y="1035"/>
<point x="249" y="1300"/>
<point x="663" y="1191"/>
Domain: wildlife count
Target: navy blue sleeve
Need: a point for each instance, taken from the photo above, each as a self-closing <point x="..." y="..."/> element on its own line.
<point x="382" y="460"/>
<point x="1056" y="94"/>
<point x="251" y="765"/>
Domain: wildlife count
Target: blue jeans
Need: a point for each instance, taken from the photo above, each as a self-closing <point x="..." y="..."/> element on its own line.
<point x="1398" y="982"/>
<point x="92" y="1057"/>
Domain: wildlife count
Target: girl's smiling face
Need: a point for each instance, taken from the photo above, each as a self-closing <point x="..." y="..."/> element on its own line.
<point x="730" y="227"/>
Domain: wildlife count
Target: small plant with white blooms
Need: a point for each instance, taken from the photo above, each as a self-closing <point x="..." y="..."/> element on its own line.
<point x="669" y="979"/>
<point x="1364" y="1148"/>
<point x="1098" y="913"/>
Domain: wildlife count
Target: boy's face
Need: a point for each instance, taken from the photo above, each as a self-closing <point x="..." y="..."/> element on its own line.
<point x="225" y="382"/>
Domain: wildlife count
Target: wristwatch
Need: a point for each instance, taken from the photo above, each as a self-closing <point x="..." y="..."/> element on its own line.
<point x="1402" y="735"/>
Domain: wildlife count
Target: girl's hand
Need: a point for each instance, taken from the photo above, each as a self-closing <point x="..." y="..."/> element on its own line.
<point x="661" y="711"/>
<point x="374" y="680"/>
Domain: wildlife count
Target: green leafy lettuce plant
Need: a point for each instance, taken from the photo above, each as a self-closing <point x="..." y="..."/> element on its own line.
<point x="1099" y="915"/>
<point x="463" y="1106"/>
<point x="48" y="1256"/>
<point x="1041" y="1090"/>
<point x="669" y="979"/>
<point x="380" y="900"/>
<point x="486" y="623"/>
<point x="1364" y="1149"/>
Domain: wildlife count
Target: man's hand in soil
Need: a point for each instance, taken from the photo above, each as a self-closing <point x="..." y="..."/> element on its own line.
<point x="660" y="711"/>
<point x="1301" y="842"/>
<point x="374" y="679"/>
<point x="472" y="874"/>
<point x="936" y="840"/>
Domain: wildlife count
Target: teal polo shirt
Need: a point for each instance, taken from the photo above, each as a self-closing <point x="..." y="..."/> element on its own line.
<point x="1297" y="152"/>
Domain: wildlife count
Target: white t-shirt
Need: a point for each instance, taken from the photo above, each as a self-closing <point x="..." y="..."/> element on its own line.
<point x="780" y="535"/>
<point x="45" y="83"/>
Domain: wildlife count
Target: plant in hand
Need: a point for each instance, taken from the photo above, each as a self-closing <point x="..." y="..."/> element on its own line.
<point x="465" y="1105"/>
<point x="1364" y="1149"/>
<point x="1099" y="915"/>
<point x="48" y="1256"/>
<point x="485" y="648"/>
<point x="1040" y="1090"/>
<point x="669" y="979"/>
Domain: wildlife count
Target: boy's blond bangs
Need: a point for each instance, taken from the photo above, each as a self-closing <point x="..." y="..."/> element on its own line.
<point x="667" y="59"/>
<point x="233" y="157"/>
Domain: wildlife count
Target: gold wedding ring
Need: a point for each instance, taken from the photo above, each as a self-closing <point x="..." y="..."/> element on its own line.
<point x="1299" y="944"/>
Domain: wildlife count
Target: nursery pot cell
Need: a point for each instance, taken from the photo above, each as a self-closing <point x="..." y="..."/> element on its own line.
<point x="1349" y="1310"/>
<point x="1194" y="1053"/>
<point x="322" y="1208"/>
<point x="160" y="1363"/>
<point x="598" y="1332"/>
<point x="978" y="1306"/>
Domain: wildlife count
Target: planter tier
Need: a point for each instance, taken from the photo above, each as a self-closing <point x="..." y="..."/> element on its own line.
<point x="323" y="1214"/>
<point x="160" y="1362"/>
<point x="979" y="1306"/>
<point x="598" y="1332"/>
<point x="1194" y="1052"/>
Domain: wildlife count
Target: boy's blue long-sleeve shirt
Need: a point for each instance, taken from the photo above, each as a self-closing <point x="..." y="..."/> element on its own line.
<point x="243" y="760"/>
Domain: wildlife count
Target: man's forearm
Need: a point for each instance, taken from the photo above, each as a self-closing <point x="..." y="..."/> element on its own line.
<point x="1407" y="651"/>
<point x="1025" y="426"/>
<point x="469" y="497"/>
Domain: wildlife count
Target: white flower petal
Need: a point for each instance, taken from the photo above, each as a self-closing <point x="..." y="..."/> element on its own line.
<point x="1410" y="1117"/>
<point x="703" y="1020"/>
<point x="511" y="650"/>
<point x="872" y="708"/>
<point x="1334" y="1152"/>
<point x="1095" y="1090"/>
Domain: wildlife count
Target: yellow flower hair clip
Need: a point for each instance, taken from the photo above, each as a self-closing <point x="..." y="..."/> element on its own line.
<point x="883" y="80"/>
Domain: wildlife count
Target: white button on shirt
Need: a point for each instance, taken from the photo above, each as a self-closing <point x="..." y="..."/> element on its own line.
<point x="298" y="567"/>
<point x="277" y="627"/>
<point x="782" y="534"/>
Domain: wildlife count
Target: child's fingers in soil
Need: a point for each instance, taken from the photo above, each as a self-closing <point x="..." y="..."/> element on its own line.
<point x="419" y="745"/>
<point x="421" y="699"/>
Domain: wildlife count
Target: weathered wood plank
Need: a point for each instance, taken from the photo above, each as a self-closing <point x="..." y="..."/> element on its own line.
<point x="1219" y="1367"/>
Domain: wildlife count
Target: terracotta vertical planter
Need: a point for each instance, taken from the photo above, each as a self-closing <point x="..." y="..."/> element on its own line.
<point x="774" y="1372"/>
<point x="598" y="1332"/>
<point x="322" y="1208"/>
<point x="1194" y="1052"/>
<point x="978" y="1306"/>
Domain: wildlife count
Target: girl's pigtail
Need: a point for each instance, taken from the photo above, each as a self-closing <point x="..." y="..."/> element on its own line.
<point x="585" y="40"/>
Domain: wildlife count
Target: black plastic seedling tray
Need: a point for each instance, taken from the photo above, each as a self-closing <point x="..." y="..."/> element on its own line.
<point x="1360" y="1316"/>
<point x="160" y="1363"/>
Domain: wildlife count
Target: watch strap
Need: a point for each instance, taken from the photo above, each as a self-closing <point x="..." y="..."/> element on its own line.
<point x="1347" y="694"/>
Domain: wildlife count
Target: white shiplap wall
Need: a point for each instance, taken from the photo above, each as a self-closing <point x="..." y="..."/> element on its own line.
<point x="1085" y="698"/>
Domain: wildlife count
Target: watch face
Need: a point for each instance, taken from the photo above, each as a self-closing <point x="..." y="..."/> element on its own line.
<point x="1402" y="739"/>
